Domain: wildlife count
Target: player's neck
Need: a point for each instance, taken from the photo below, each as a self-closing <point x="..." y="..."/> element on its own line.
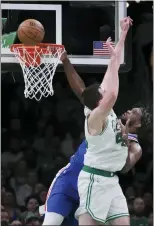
<point x="132" y="131"/>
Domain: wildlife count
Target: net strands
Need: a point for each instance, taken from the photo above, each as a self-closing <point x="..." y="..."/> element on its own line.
<point x="37" y="71"/>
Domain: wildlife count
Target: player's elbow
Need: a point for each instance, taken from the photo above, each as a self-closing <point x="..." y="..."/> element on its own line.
<point x="132" y="159"/>
<point x="113" y="95"/>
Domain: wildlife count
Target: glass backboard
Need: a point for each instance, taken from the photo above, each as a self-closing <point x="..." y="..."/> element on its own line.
<point x="76" y="25"/>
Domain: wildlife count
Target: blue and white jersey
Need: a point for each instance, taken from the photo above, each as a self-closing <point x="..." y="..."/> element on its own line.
<point x="66" y="179"/>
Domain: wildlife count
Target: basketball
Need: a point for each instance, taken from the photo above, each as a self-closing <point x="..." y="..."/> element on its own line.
<point x="31" y="32"/>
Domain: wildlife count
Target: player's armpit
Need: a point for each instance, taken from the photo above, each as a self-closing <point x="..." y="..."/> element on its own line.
<point x="98" y="117"/>
<point x="75" y="81"/>
<point x="134" y="154"/>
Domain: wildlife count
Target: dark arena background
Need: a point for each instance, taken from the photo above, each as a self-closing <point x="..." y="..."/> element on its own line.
<point x="38" y="138"/>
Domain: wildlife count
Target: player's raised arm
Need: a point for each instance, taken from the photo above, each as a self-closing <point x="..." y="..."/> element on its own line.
<point x="75" y="81"/>
<point x="109" y="87"/>
<point x="124" y="31"/>
<point x="125" y="25"/>
<point x="134" y="149"/>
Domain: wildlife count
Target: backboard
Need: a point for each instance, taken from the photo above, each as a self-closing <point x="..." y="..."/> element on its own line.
<point x="76" y="25"/>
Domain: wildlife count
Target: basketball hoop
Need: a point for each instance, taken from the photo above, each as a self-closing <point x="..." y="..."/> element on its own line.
<point x="38" y="65"/>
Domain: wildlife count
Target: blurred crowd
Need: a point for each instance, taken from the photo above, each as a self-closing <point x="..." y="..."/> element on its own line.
<point x="37" y="140"/>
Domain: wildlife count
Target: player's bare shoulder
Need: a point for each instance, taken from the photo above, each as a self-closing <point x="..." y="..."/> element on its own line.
<point x="96" y="129"/>
<point x="100" y="126"/>
<point x="134" y="147"/>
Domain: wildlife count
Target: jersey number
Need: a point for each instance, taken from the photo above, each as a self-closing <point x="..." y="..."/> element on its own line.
<point x="120" y="140"/>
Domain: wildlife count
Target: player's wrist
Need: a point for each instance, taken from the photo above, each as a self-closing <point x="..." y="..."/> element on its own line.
<point x="65" y="60"/>
<point x="64" y="57"/>
<point x="122" y="38"/>
<point x="124" y="33"/>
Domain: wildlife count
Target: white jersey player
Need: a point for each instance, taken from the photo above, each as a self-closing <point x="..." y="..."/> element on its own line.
<point x="101" y="198"/>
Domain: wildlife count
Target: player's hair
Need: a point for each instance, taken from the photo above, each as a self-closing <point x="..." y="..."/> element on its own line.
<point x="146" y="123"/>
<point x="91" y="96"/>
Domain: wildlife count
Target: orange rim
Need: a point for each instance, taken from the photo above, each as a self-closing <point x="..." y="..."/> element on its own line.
<point x="41" y="48"/>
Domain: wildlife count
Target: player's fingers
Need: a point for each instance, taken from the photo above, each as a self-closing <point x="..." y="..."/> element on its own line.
<point x="130" y="18"/>
<point x="63" y="55"/>
<point x="124" y="132"/>
<point x="108" y="40"/>
<point x="120" y="122"/>
<point x="127" y="127"/>
<point x="111" y="49"/>
<point x="125" y="19"/>
<point x="122" y="127"/>
<point x="64" y="52"/>
<point x="130" y="24"/>
<point x="130" y="21"/>
<point x="128" y="121"/>
<point x="109" y="43"/>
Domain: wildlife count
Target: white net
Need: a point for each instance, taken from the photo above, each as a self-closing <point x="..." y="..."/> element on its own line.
<point x="38" y="68"/>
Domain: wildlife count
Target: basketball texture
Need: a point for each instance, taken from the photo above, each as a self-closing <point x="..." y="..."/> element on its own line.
<point x="31" y="32"/>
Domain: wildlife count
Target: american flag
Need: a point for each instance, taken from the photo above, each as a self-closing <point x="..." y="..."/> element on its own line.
<point x="100" y="48"/>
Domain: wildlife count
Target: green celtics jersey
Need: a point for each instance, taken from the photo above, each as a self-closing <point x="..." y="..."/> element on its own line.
<point x="106" y="151"/>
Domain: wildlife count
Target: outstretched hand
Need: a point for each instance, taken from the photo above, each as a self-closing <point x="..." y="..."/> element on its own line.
<point x="110" y="47"/>
<point x="125" y="130"/>
<point x="126" y="23"/>
<point x="63" y="56"/>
